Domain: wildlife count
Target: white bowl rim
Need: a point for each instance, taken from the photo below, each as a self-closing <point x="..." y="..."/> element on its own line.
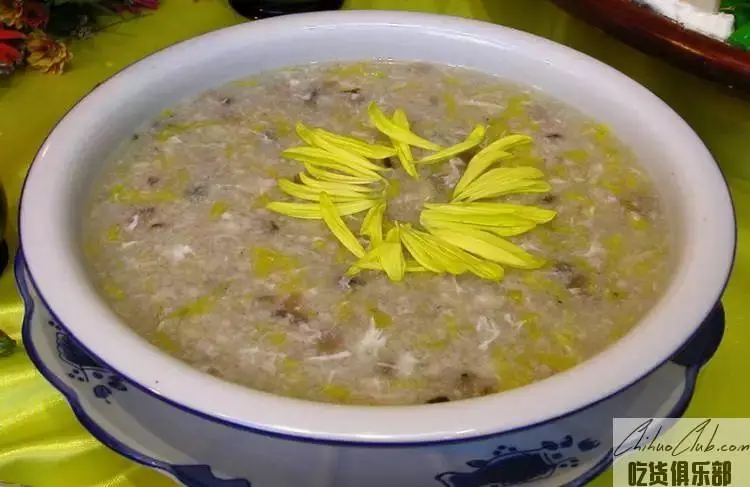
<point x="51" y="272"/>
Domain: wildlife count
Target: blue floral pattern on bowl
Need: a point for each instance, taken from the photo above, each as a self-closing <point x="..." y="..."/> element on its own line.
<point x="511" y="466"/>
<point x="82" y="368"/>
<point x="147" y="429"/>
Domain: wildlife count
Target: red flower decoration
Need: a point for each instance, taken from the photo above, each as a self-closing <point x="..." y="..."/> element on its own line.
<point x="145" y="4"/>
<point x="9" y="54"/>
<point x="135" y="6"/>
<point x="35" y="15"/>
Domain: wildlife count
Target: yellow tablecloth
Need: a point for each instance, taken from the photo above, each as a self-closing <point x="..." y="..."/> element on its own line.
<point x="42" y="445"/>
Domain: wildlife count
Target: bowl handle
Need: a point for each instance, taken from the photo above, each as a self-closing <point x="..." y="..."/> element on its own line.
<point x="705" y="341"/>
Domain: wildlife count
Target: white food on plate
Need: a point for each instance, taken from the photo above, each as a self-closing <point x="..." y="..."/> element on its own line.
<point x="698" y="15"/>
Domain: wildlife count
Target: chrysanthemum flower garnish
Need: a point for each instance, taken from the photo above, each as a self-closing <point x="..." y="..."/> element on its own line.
<point x="11" y="13"/>
<point x="346" y="176"/>
<point x="47" y="54"/>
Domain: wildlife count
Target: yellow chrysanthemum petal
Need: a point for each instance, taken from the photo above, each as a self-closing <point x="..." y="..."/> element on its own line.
<point x="456" y="261"/>
<point x="332" y="218"/>
<point x="371" y="263"/>
<point x="311" y="211"/>
<point x="463" y="236"/>
<point x="443" y="258"/>
<point x="372" y="225"/>
<point x="507" y="220"/>
<point x="333" y="187"/>
<point x="357" y="146"/>
<point x="336" y="177"/>
<point x="474" y="139"/>
<point x="412" y="266"/>
<point x="304" y="133"/>
<point x="533" y="213"/>
<point x="403" y="151"/>
<point x="312" y="194"/>
<point x="324" y="159"/>
<point x="490" y="247"/>
<point x="488" y="156"/>
<point x="506" y="188"/>
<point x="505" y="180"/>
<point x="511" y="231"/>
<point x="392" y="130"/>
<point x="391" y="255"/>
<point x="314" y="138"/>
<point x="419" y="251"/>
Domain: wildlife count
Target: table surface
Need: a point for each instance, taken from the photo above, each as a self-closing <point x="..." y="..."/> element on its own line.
<point x="42" y="445"/>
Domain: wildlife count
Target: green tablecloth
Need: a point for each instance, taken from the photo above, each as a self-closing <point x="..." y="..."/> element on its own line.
<point x="42" y="445"/>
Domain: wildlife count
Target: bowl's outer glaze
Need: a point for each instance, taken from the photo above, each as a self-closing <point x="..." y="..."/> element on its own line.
<point x="202" y="452"/>
<point x="675" y="157"/>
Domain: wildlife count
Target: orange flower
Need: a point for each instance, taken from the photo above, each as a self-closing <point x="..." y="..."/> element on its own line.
<point x="47" y="54"/>
<point x="11" y="13"/>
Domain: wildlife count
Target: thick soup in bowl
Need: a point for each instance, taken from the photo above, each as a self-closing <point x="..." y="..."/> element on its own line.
<point x="378" y="233"/>
<point x="397" y="248"/>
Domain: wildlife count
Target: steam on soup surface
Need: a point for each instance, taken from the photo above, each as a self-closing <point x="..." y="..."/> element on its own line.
<point x="178" y="239"/>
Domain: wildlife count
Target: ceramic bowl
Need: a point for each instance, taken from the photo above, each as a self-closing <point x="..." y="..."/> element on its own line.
<point x="207" y="432"/>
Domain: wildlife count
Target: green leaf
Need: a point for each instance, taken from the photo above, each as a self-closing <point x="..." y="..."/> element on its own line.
<point x="474" y="139"/>
<point x="311" y="211"/>
<point x="392" y="130"/>
<point x="332" y="218"/>
<point x="740" y="9"/>
<point x="741" y="37"/>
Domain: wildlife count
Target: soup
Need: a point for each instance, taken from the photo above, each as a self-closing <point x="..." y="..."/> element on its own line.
<point x="377" y="233"/>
